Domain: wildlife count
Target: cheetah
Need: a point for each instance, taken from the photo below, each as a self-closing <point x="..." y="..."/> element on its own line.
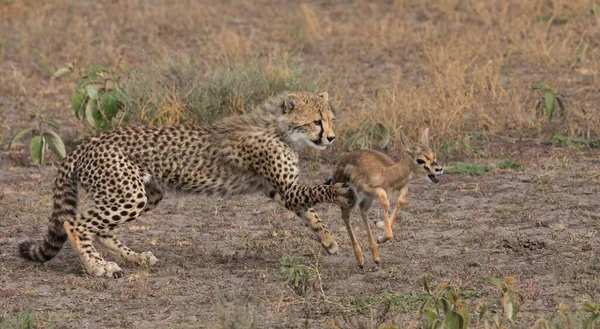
<point x="126" y="171"/>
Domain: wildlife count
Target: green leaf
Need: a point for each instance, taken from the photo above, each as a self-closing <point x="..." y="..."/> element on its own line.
<point x="576" y="147"/>
<point x="86" y="80"/>
<point x="78" y="102"/>
<point x="125" y="69"/>
<point x="18" y="135"/>
<point x="62" y="71"/>
<point x="109" y="105"/>
<point x="90" y="109"/>
<point x="446" y="305"/>
<point x="540" y="85"/>
<point x="465" y="317"/>
<point x="484" y="309"/>
<point x="92" y="92"/>
<point x="431" y="317"/>
<point x="591" y="307"/>
<point x="509" y="308"/>
<point x="52" y="123"/>
<point x="493" y="281"/>
<point x="95" y="69"/>
<point x="453" y="320"/>
<point x="426" y="285"/>
<point x="550" y="100"/>
<point x="55" y="143"/>
<point x="37" y="146"/>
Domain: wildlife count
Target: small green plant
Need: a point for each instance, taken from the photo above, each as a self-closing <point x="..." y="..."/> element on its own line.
<point x="298" y="276"/>
<point x="42" y="140"/>
<point x="575" y="142"/>
<point x="510" y="300"/>
<point x="443" y="308"/>
<point x="569" y="317"/>
<point x="24" y="319"/>
<point x="96" y="94"/>
<point x="550" y="99"/>
<point x="399" y="302"/>
<point x="367" y="132"/>
<point x="508" y="164"/>
<point x="472" y="169"/>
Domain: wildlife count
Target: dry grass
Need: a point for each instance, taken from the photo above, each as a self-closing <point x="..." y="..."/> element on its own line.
<point x="457" y="66"/>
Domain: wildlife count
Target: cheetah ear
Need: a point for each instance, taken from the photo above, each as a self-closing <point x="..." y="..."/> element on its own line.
<point x="290" y="103"/>
<point x="325" y="96"/>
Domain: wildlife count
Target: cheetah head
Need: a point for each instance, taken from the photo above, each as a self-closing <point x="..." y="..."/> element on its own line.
<point x="309" y="119"/>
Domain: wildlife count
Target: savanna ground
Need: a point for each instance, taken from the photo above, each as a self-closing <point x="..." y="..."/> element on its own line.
<point x="463" y="68"/>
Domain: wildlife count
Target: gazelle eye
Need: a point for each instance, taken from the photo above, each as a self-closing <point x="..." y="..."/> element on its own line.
<point x="318" y="122"/>
<point x="419" y="161"/>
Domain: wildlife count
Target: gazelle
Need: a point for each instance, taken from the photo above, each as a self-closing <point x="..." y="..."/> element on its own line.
<point x="375" y="175"/>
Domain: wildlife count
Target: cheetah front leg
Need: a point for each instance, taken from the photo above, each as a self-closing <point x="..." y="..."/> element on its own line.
<point x="319" y="229"/>
<point x="300" y="199"/>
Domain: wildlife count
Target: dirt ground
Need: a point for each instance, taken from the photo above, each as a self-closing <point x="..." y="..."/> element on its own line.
<point x="464" y="68"/>
<point x="219" y="260"/>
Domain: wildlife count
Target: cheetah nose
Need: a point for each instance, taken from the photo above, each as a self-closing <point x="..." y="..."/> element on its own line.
<point x="330" y="138"/>
<point x="438" y="169"/>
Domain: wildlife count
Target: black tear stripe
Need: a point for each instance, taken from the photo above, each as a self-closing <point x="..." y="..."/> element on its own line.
<point x="322" y="130"/>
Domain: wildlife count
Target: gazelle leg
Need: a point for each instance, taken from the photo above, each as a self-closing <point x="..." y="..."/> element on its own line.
<point x="364" y="206"/>
<point x="355" y="245"/>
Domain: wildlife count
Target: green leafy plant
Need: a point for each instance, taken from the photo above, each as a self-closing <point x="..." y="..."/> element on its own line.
<point x="42" y="140"/>
<point x="572" y="318"/>
<point x="96" y="94"/>
<point x="367" y="132"/>
<point x="547" y="106"/>
<point x="297" y="275"/>
<point x="508" y="164"/>
<point x="443" y="308"/>
<point x="575" y="142"/>
<point x="471" y="169"/>
<point x="510" y="300"/>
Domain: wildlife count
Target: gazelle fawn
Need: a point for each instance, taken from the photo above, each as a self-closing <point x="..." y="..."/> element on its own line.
<point x="375" y="175"/>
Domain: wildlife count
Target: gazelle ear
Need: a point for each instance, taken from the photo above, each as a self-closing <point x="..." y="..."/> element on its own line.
<point x="324" y="95"/>
<point x="406" y="145"/>
<point x="290" y="103"/>
<point x="425" y="138"/>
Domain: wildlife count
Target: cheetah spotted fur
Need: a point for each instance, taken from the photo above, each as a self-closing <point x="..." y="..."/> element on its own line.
<point x="126" y="171"/>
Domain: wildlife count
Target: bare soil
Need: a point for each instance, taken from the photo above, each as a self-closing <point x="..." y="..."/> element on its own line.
<point x="219" y="260"/>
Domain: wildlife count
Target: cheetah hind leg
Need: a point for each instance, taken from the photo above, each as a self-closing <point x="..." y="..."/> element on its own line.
<point x="154" y="193"/>
<point x="95" y="265"/>
<point x="110" y="242"/>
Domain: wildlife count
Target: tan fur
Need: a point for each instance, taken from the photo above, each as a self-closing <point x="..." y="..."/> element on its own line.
<point x="126" y="171"/>
<point x="375" y="175"/>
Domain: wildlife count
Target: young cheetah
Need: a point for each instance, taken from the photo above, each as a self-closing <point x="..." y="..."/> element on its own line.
<point x="126" y="170"/>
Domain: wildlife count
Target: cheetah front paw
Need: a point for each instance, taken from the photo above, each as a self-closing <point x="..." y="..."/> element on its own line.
<point x="346" y="196"/>
<point x="147" y="258"/>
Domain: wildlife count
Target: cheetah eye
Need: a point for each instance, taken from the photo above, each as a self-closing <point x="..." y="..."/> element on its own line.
<point x="420" y="161"/>
<point x="318" y="122"/>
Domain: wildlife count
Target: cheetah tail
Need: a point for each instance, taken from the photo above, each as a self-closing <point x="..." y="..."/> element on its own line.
<point x="65" y="207"/>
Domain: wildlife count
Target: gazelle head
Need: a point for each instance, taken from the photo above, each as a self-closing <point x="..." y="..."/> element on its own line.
<point x="422" y="158"/>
